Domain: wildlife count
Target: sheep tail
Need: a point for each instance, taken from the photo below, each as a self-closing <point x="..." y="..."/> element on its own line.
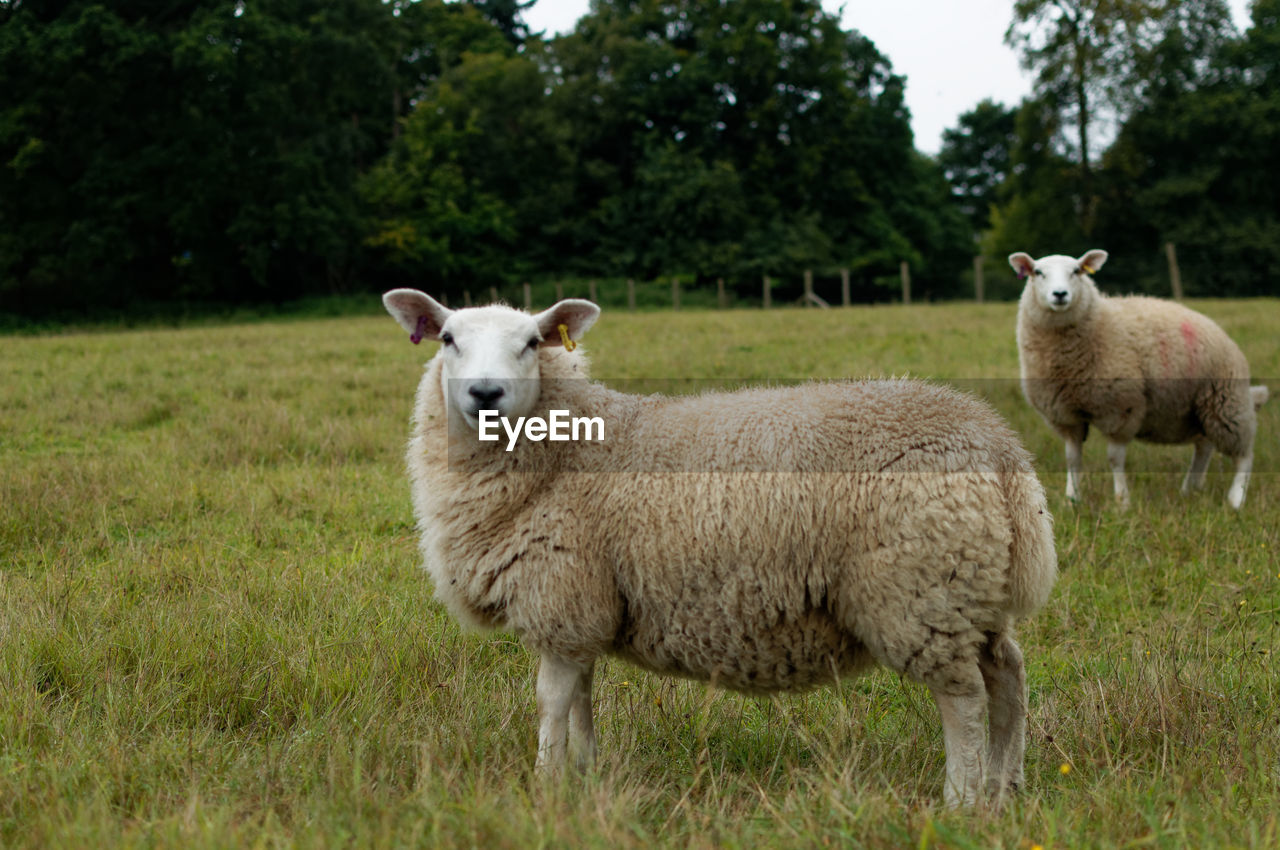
<point x="1260" y="395"/>
<point x="1033" y="562"/>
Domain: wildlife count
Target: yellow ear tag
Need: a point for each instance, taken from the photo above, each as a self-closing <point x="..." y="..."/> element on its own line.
<point x="1087" y="269"/>
<point x="569" y="345"/>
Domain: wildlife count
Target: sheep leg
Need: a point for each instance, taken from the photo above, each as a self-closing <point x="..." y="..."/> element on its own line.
<point x="559" y="682"/>
<point x="1006" y="680"/>
<point x="1115" y="456"/>
<point x="1199" y="465"/>
<point x="582" y="730"/>
<point x="1244" y="465"/>
<point x="1075" y="465"/>
<point x="962" y="702"/>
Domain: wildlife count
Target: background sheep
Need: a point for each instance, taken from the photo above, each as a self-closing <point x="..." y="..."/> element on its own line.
<point x="1133" y="367"/>
<point x="765" y="540"/>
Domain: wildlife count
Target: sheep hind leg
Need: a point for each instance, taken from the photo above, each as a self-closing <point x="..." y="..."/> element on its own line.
<point x="1005" y="677"/>
<point x="1244" y="466"/>
<point x="962" y="701"/>
<point x="559" y="684"/>
<point x="582" y="730"/>
<point x="1199" y="465"/>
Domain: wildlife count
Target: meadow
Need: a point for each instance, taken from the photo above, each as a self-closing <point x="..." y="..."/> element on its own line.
<point x="214" y="633"/>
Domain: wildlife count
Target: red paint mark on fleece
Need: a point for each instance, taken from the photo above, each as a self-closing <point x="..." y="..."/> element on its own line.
<point x="1189" y="337"/>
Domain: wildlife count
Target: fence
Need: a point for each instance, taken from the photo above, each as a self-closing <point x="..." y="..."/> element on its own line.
<point x="768" y="285"/>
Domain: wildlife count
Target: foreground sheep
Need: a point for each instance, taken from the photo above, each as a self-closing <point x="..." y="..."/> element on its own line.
<point x="1132" y="367"/>
<point x="766" y="540"/>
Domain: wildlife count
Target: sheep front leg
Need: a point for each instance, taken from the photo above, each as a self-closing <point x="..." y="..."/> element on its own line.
<point x="1199" y="465"/>
<point x="962" y="703"/>
<point x="1115" y="456"/>
<point x="1075" y="465"/>
<point x="559" y="688"/>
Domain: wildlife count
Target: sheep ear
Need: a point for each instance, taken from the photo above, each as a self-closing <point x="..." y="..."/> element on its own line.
<point x="1022" y="264"/>
<point x="1093" y="260"/>
<point x="418" y="313"/>
<point x="575" y="314"/>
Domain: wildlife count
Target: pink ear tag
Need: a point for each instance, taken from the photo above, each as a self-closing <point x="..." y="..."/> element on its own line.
<point x="420" y="332"/>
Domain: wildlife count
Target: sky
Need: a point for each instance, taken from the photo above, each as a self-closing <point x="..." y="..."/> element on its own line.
<point x="951" y="52"/>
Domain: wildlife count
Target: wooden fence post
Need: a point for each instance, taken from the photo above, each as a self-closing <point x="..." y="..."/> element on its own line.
<point x="528" y="296"/>
<point x="844" y="287"/>
<point x="466" y="298"/>
<point x="593" y="294"/>
<point x="675" y="293"/>
<point x="631" y="294"/>
<point x="809" y="296"/>
<point x="768" y="296"/>
<point x="559" y="291"/>
<point x="444" y="299"/>
<point x="977" y="278"/>
<point x="905" y="272"/>
<point x="493" y="295"/>
<point x="721" y="300"/>
<point x="1175" y="274"/>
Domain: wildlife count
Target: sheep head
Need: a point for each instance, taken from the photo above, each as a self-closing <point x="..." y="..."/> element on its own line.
<point x="489" y="358"/>
<point x="1058" y="282"/>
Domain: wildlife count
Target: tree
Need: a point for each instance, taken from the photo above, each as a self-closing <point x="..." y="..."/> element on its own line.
<point x="1081" y="52"/>
<point x="1185" y="165"/>
<point x="505" y="15"/>
<point x="207" y="149"/>
<point x="797" y="126"/>
<point x="1036" y="212"/>
<point x="476" y="175"/>
<point x="976" y="157"/>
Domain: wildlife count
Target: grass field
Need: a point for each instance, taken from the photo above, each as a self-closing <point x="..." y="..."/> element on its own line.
<point x="213" y="631"/>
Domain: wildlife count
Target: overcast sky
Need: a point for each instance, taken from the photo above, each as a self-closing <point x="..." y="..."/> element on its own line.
<point x="951" y="52"/>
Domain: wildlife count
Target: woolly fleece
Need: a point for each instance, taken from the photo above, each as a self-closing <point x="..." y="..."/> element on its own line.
<point x="894" y="521"/>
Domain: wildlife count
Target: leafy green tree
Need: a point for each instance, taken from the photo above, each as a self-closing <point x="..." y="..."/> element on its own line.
<point x="976" y="156"/>
<point x="476" y="177"/>
<point x="790" y="131"/>
<point x="1037" y="210"/>
<point x="506" y="16"/>
<point x="1082" y="53"/>
<point x="207" y="149"/>
<point x="1185" y="166"/>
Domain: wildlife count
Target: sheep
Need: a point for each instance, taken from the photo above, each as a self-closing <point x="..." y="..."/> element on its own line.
<point x="765" y="540"/>
<point x="1134" y="368"/>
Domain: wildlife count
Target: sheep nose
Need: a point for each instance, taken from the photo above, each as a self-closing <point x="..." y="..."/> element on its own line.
<point x="485" y="393"/>
<point x="1060" y="295"/>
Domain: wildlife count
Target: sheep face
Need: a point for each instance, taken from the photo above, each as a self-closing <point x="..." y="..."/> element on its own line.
<point x="489" y="354"/>
<point x="1058" y="282"/>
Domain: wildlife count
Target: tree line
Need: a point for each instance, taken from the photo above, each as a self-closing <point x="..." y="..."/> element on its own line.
<point x="1152" y="122"/>
<point x="239" y="151"/>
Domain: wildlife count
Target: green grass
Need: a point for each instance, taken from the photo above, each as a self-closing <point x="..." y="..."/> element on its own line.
<point x="213" y="632"/>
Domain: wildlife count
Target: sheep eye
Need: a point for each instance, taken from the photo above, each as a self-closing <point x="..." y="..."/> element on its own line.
<point x="533" y="342"/>
<point x="1039" y="273"/>
<point x="446" y="338"/>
